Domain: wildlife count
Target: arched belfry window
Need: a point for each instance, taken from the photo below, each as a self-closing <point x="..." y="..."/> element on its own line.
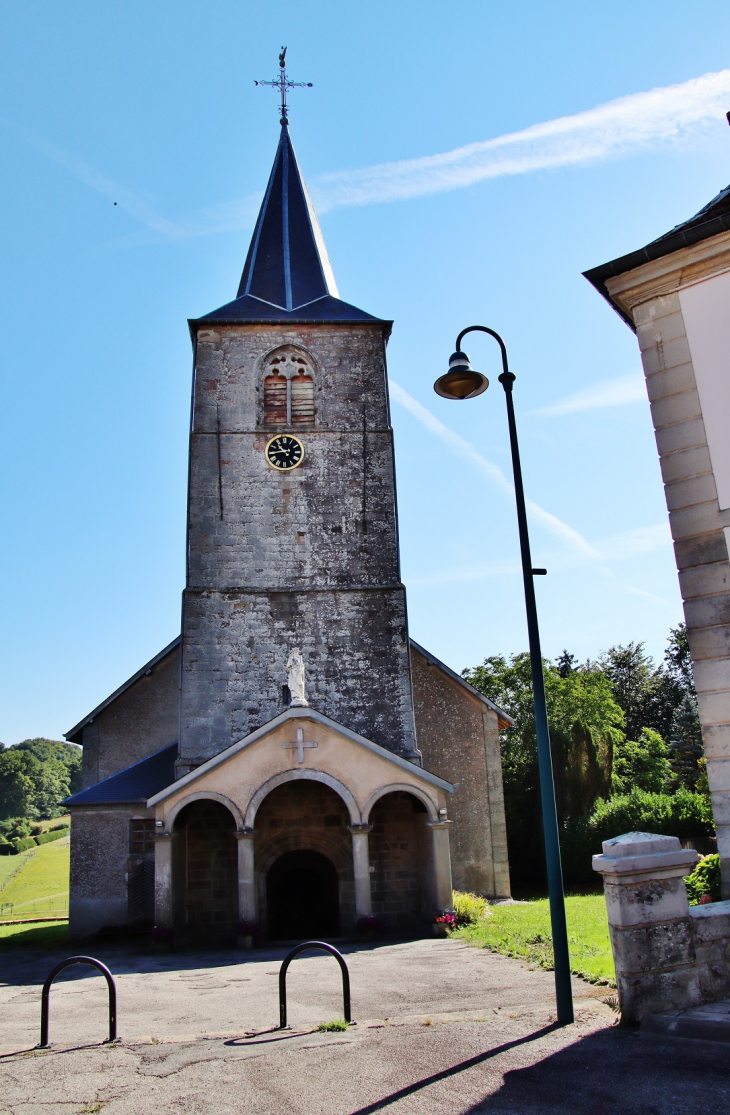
<point x="288" y="388"/>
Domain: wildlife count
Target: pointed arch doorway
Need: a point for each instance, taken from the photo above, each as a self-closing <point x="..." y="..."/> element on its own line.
<point x="302" y="892"/>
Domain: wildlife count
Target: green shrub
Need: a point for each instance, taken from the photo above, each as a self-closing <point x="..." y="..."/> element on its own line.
<point x="53" y="834"/>
<point x="705" y="879"/>
<point x="23" y="845"/>
<point x="470" y="909"/>
<point x="336" y="1026"/>
<point x="683" y="814"/>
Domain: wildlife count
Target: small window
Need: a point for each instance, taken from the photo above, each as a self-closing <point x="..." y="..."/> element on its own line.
<point x="142" y="836"/>
<point x="275" y="399"/>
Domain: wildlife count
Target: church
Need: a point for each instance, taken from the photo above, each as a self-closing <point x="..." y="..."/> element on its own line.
<point x="293" y="760"/>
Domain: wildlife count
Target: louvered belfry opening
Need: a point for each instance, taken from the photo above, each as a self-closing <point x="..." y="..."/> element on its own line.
<point x="289" y="388"/>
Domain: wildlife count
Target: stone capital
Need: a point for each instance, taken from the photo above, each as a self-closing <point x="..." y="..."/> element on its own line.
<point x="245" y="834"/>
<point x="358" y="830"/>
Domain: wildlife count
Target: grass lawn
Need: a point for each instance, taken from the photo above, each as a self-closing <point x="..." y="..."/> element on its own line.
<point x="40" y="933"/>
<point x="10" y="864"/>
<point x="41" y="886"/>
<point x="523" y="931"/>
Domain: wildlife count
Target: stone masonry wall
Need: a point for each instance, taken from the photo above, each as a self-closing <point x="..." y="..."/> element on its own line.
<point x="397" y="845"/>
<point x="307" y="557"/>
<point x="99" y="864"/>
<point x="458" y="736"/>
<point x="143" y="719"/>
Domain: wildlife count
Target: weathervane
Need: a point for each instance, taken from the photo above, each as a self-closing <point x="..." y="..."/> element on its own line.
<point x="282" y="83"/>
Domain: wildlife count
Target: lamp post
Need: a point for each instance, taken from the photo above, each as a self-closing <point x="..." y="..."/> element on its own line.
<point x="463" y="382"/>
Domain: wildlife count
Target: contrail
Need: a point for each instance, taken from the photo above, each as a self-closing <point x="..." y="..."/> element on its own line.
<point x="462" y="448"/>
<point x="616" y="128"/>
<point x="620" y="127"/>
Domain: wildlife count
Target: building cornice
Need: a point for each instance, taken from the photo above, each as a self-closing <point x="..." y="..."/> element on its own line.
<point x="670" y="273"/>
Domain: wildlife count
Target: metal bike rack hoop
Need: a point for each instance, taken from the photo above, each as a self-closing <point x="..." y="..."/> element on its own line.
<point x="305" y="947"/>
<point x="43" y="1044"/>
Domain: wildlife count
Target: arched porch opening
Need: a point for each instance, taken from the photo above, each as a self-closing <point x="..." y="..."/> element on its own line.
<point x="401" y="861"/>
<point x="302" y="897"/>
<point x="205" y="873"/>
<point x="303" y="862"/>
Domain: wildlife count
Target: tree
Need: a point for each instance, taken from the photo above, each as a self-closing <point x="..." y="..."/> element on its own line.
<point x="30" y="787"/>
<point x="585" y="724"/>
<point x="685" y="742"/>
<point x="67" y="753"/>
<point x="642" y="764"/>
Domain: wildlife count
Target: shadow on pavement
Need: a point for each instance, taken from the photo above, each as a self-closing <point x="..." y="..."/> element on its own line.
<point x="622" y="1072"/>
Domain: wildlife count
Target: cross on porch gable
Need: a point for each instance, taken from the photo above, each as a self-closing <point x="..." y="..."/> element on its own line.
<point x="300" y="745"/>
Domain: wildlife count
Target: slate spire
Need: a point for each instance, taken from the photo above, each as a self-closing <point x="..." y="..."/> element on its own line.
<point x="287" y="275"/>
<point x="287" y="263"/>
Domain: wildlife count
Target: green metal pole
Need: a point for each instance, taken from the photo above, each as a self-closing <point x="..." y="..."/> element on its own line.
<point x="563" y="986"/>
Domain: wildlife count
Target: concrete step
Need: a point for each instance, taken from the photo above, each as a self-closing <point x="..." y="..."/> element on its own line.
<point x="710" y="1022"/>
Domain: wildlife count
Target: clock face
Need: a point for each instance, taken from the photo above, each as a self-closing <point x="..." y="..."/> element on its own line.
<point x="284" y="452"/>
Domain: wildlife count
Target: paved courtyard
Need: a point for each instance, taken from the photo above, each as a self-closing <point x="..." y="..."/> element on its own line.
<point x="441" y="1028"/>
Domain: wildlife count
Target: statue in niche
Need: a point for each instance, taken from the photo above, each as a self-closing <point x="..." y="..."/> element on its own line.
<point x="295" y="670"/>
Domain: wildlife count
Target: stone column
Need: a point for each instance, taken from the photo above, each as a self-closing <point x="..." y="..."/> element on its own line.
<point x="163" y="879"/>
<point x="649" y="922"/>
<point x="246" y="878"/>
<point x="442" y="885"/>
<point x="361" y="867"/>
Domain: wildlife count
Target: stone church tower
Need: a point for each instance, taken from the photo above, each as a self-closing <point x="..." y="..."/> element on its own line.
<point x="304" y="556"/>
<point x="211" y="797"/>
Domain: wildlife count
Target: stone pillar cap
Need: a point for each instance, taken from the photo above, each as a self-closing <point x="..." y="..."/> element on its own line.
<point x="639" y="844"/>
<point x="644" y="853"/>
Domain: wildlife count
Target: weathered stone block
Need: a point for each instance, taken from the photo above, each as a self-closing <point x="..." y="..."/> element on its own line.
<point x="653" y="332"/>
<point x="682" y="435"/>
<point x="676" y="408"/>
<point x="709" y="642"/>
<point x="687" y="493"/>
<point x="652" y="901"/>
<point x="704" y="550"/>
<point x="713" y="673"/>
<point x="658" y="993"/>
<point x="690" y="521"/>
<point x="686" y="463"/>
<point x="705" y="580"/>
<point x="657" y="309"/>
<point x="670" y="382"/>
<point x="714" y="708"/>
<point x="647" y="948"/>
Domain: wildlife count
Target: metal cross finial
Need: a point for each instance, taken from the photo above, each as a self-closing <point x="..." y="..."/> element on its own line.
<point x="282" y="83"/>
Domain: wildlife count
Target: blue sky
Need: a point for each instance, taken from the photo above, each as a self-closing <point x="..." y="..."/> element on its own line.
<point x="468" y="163"/>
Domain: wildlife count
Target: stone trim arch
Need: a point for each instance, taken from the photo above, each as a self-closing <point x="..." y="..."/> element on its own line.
<point x="296" y="775"/>
<point x="400" y="788"/>
<point x="202" y="795"/>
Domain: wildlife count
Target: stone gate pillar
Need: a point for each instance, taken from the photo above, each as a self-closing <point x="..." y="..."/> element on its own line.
<point x="649" y="921"/>
<point x="246" y="880"/>
<point x="163" y="879"/>
<point x="441" y="858"/>
<point x="361" y="866"/>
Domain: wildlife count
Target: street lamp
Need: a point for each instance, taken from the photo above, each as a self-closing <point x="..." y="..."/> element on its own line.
<point x="463" y="382"/>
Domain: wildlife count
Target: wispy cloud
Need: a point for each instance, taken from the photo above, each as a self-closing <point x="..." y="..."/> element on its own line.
<point x="628" y="124"/>
<point x="606" y="393"/>
<point x="632" y="123"/>
<point x="493" y="473"/>
<point x="614" y="549"/>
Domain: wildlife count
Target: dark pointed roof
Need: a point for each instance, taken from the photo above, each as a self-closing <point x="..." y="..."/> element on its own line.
<point x="287" y="275"/>
<point x="711" y="220"/>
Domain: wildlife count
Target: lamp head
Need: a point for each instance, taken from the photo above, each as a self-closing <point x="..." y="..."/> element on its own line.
<point x="461" y="381"/>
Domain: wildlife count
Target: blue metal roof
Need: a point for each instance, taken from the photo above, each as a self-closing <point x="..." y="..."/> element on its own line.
<point x="135" y="783"/>
<point x="287" y="275"/>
